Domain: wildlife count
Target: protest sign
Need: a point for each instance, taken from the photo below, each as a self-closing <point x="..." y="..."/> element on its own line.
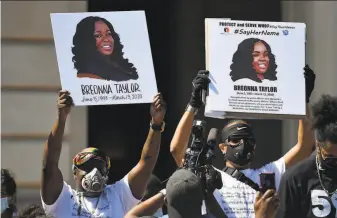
<point x="104" y="57"/>
<point x="256" y="69"/>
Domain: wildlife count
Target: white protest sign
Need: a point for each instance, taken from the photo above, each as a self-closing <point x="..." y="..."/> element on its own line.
<point x="255" y="68"/>
<point x="104" y="57"/>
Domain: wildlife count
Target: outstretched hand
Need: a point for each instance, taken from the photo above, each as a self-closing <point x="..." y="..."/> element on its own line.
<point x="266" y="204"/>
<point x="310" y="78"/>
<point x="200" y="83"/>
<point x="158" y="109"/>
<point x="64" y="104"/>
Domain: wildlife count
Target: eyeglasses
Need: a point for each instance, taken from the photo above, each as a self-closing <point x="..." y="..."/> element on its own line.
<point x="234" y="141"/>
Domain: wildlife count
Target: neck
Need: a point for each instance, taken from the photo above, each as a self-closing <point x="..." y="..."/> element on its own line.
<point x="260" y="76"/>
<point x="230" y="164"/>
<point x="88" y="194"/>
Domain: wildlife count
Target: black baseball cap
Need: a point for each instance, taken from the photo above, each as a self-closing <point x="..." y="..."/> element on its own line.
<point x="184" y="195"/>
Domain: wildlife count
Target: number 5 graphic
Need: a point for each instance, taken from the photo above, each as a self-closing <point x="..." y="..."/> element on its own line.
<point x="320" y="203"/>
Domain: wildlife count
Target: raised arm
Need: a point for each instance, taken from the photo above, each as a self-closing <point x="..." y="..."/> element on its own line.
<point x="52" y="179"/>
<point x="181" y="136"/>
<point x="306" y="137"/>
<point x="140" y="174"/>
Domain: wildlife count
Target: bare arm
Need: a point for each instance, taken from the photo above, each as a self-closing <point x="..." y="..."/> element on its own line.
<point x="140" y="174"/>
<point x="148" y="207"/>
<point x="181" y="136"/>
<point x="305" y="142"/>
<point x="52" y="179"/>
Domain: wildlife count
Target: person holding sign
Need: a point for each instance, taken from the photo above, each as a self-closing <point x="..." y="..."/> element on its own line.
<point x="98" y="52"/>
<point x="93" y="197"/>
<point x="238" y="145"/>
<point x="253" y="60"/>
<point x="310" y="188"/>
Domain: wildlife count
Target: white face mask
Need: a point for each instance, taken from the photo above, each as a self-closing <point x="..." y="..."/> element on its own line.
<point x="4" y="204"/>
<point x="94" y="181"/>
<point x="158" y="213"/>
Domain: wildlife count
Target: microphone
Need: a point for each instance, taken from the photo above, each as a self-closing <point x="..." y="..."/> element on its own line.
<point x="211" y="139"/>
<point x="204" y="92"/>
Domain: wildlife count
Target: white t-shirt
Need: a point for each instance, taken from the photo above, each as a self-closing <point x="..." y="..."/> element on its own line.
<point x="114" y="202"/>
<point x="236" y="198"/>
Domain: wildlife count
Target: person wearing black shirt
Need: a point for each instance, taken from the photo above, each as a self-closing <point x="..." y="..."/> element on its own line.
<point x="309" y="189"/>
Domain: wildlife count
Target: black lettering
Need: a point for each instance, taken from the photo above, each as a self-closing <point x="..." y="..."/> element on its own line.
<point x="250" y="25"/>
<point x="227" y="24"/>
<point x="96" y="89"/>
<point x="263" y="25"/>
<point x="245" y="88"/>
<point x="127" y="88"/>
<point x="267" y="89"/>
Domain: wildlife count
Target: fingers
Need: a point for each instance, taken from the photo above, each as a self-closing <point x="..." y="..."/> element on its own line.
<point x="275" y="201"/>
<point x="158" y="101"/>
<point x="258" y="196"/>
<point x="63" y="92"/>
<point x="203" y="73"/>
<point x="269" y="193"/>
<point x="64" y="99"/>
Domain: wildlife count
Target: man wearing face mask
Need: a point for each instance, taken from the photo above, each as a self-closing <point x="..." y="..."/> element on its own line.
<point x="310" y="188"/>
<point x="8" y="195"/>
<point x="93" y="197"/>
<point x="240" y="182"/>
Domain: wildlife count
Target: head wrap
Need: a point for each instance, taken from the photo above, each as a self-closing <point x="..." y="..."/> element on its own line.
<point x="88" y="154"/>
<point x="239" y="130"/>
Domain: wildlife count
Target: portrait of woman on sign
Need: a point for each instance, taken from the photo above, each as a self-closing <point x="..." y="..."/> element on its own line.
<point x="98" y="52"/>
<point x="253" y="60"/>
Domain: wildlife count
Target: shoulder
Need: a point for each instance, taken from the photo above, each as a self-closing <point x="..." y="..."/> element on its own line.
<point x="302" y="170"/>
<point x="277" y="166"/>
<point x="65" y="198"/>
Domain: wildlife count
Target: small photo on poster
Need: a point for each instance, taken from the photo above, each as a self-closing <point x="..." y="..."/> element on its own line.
<point x="98" y="53"/>
<point x="253" y="60"/>
<point x="104" y="57"/>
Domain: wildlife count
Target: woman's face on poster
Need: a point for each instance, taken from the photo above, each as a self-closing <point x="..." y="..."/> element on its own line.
<point x="260" y="58"/>
<point x="104" y="40"/>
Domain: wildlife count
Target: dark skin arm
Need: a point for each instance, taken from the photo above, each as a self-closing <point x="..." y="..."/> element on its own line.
<point x="52" y="179"/>
<point x="140" y="174"/>
<point x="148" y="207"/>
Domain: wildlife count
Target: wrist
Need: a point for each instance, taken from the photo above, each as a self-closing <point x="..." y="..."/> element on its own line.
<point x="190" y="108"/>
<point x="157" y="127"/>
<point x="163" y="192"/>
<point x="157" y="122"/>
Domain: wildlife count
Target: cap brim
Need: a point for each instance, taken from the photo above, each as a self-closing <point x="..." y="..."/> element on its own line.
<point x="187" y="213"/>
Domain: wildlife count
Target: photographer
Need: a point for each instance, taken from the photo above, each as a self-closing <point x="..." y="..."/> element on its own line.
<point x="309" y="189"/>
<point x="184" y="199"/>
<point x="93" y="197"/>
<point x="238" y="145"/>
<point x="184" y="195"/>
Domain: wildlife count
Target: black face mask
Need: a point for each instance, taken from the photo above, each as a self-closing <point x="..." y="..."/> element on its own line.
<point x="329" y="162"/>
<point x="241" y="153"/>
